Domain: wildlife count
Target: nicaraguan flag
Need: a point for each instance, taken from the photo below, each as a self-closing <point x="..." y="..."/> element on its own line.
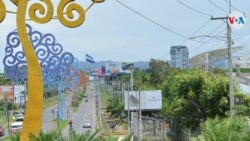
<point x="89" y="59"/>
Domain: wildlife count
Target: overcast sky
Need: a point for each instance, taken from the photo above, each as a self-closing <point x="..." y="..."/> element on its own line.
<point x="140" y="31"/>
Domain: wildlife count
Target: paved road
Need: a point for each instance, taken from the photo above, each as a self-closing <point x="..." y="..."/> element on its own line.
<point x="86" y="111"/>
<point x="48" y="116"/>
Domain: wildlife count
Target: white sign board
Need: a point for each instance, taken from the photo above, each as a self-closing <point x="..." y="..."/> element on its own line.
<point x="18" y="94"/>
<point x="236" y="20"/>
<point x="149" y="100"/>
<point x="113" y="67"/>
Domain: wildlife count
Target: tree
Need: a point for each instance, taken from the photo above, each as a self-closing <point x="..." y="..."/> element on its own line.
<point x="158" y="70"/>
<point x="228" y="129"/>
<point x="195" y="95"/>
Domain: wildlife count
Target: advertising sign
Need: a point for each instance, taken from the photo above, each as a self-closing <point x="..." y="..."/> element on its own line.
<point x="6" y="91"/>
<point x="113" y="67"/>
<point x="149" y="100"/>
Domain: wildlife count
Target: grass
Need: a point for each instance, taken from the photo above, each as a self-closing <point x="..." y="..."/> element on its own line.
<point x="48" y="102"/>
<point x="52" y="100"/>
<point x="63" y="124"/>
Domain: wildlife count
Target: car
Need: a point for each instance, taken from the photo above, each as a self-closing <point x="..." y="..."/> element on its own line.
<point x="19" y="119"/>
<point x="16" y="127"/>
<point x="19" y="116"/>
<point x="87" y="124"/>
<point x="1" y="131"/>
<point x="86" y="100"/>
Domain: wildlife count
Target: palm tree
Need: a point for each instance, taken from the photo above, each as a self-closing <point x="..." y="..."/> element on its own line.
<point x="15" y="137"/>
<point x="55" y="135"/>
<point x="87" y="136"/>
<point x="229" y="129"/>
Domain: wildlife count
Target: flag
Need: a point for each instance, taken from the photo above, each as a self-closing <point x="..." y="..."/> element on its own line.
<point x="89" y="59"/>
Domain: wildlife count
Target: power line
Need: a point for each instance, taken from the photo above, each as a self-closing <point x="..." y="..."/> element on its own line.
<point x="233" y="6"/>
<point x="207" y="40"/>
<point x="154" y="22"/>
<point x="197" y="11"/>
<point x="202" y="38"/>
<point x="218" y="6"/>
<point x="203" y="25"/>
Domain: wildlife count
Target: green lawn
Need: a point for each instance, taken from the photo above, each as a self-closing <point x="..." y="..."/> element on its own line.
<point x="63" y="124"/>
<point x="50" y="101"/>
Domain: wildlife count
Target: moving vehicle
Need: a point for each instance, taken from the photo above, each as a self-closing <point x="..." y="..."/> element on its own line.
<point x="16" y="127"/>
<point x="86" y="124"/>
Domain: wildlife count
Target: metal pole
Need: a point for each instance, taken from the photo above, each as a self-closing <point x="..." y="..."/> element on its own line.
<point x="8" y="120"/>
<point x="230" y="66"/>
<point x="140" y="116"/>
<point x="25" y="93"/>
<point x="128" y="112"/>
<point x="131" y="87"/>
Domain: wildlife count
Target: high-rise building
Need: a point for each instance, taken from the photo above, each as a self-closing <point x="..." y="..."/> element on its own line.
<point x="179" y="57"/>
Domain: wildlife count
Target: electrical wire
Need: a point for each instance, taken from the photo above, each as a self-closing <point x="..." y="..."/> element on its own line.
<point x="197" y="11"/>
<point x="211" y="32"/>
<point x="208" y="40"/>
<point x="218" y="6"/>
<point x="202" y="26"/>
<point x="154" y="22"/>
<point x="233" y="6"/>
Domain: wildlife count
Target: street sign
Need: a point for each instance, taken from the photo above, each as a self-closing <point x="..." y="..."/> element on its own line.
<point x="236" y="20"/>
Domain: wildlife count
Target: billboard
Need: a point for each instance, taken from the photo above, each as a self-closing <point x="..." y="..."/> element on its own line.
<point x="113" y="67"/>
<point x="19" y="91"/>
<point x="6" y="91"/>
<point x="149" y="100"/>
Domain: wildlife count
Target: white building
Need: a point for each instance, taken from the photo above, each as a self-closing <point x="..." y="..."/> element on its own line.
<point x="179" y="57"/>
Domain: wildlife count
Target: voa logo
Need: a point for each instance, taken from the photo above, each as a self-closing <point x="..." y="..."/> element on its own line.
<point x="236" y="20"/>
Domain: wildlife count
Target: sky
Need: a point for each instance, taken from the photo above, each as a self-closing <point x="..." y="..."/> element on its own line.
<point x="138" y="30"/>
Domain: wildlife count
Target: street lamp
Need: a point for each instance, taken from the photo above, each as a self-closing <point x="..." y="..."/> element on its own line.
<point x="131" y="68"/>
<point x="216" y="37"/>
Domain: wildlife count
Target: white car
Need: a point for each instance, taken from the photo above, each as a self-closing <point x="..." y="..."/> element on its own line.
<point x="86" y="124"/>
<point x="16" y="127"/>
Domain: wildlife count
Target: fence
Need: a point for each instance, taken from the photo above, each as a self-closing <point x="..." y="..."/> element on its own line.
<point x="158" y="129"/>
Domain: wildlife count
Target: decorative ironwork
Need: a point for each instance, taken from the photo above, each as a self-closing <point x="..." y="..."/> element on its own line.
<point x="33" y="117"/>
<point x="58" y="67"/>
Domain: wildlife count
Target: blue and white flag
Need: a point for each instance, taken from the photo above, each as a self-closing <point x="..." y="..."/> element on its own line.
<point x="89" y="59"/>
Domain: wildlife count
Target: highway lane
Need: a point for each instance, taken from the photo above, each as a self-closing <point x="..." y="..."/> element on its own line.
<point x="48" y="116"/>
<point x="86" y="111"/>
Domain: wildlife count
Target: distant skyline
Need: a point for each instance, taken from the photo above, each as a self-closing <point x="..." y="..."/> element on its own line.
<point x="133" y="31"/>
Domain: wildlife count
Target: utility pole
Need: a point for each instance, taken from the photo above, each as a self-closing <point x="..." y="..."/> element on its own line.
<point x="139" y="128"/>
<point x="230" y="66"/>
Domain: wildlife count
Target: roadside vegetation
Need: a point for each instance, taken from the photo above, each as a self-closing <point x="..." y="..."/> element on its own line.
<point x="56" y="135"/>
<point x="192" y="98"/>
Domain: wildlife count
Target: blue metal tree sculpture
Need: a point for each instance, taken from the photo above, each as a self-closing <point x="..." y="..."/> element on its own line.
<point x="57" y="66"/>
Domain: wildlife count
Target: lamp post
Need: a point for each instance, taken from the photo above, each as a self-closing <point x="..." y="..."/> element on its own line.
<point x="131" y="68"/>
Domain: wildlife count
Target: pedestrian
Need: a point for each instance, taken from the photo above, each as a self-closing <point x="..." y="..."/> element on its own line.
<point x="70" y="123"/>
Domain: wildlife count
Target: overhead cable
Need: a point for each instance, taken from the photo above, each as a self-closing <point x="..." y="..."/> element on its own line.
<point x="233" y="6"/>
<point x="203" y="25"/>
<point x="197" y="11"/>
<point x="218" y="6"/>
<point x="154" y="22"/>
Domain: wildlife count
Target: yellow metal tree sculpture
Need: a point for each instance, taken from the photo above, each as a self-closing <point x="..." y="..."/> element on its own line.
<point x="33" y="117"/>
